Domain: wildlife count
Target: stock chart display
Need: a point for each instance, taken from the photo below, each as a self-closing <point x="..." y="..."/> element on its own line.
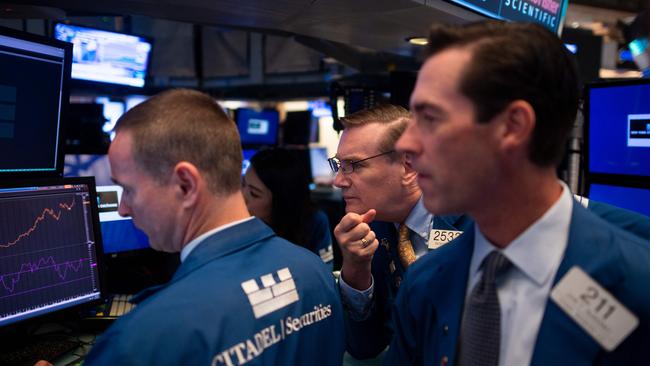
<point x="48" y="258"/>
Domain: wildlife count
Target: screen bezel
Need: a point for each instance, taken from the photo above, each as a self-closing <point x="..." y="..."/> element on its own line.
<point x="99" y="251"/>
<point x="63" y="111"/>
<point x="103" y="84"/>
<point x="607" y="178"/>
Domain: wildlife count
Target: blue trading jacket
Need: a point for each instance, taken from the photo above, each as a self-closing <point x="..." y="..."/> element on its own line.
<point x="243" y="296"/>
<point x="429" y="308"/>
<point x="627" y="220"/>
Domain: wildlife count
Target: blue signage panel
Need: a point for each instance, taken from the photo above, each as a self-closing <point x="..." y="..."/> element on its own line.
<point x="549" y="13"/>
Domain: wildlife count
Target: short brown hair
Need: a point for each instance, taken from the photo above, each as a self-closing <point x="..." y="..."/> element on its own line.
<point x="395" y="116"/>
<point x="185" y="125"/>
<point x="517" y="61"/>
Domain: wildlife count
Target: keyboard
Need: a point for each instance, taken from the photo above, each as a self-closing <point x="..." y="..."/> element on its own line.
<point x="114" y="307"/>
<point x="120" y="305"/>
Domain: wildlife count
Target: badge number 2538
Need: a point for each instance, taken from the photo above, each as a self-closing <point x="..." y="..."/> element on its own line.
<point x="438" y="238"/>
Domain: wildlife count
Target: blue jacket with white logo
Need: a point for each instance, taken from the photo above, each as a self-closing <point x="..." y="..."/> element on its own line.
<point x="242" y="296"/>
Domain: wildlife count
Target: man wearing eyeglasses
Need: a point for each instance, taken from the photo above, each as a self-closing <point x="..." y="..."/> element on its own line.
<point x="386" y="226"/>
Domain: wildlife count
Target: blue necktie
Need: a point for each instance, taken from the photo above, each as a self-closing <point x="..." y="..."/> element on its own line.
<point x="480" y="332"/>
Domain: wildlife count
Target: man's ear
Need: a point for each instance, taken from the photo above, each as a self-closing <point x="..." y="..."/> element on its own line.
<point x="517" y="125"/>
<point x="187" y="178"/>
<point x="409" y="177"/>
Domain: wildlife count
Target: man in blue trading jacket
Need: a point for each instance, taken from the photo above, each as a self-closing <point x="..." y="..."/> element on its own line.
<point x="241" y="294"/>
<point x="382" y="200"/>
<point x="538" y="280"/>
<point x="627" y="220"/>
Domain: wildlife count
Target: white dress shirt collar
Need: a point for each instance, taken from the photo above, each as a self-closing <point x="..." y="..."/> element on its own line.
<point x="419" y="220"/>
<point x="187" y="249"/>
<point x="538" y="250"/>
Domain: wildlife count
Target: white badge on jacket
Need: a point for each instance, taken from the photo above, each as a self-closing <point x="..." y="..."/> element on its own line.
<point x="595" y="309"/>
<point x="438" y="238"/>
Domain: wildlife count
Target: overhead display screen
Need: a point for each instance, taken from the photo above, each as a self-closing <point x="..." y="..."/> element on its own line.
<point x="104" y="56"/>
<point x="618" y="128"/>
<point x="549" y="13"/>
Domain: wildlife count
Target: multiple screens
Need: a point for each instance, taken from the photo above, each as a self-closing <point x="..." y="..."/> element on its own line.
<point x="107" y="57"/>
<point x="617" y="131"/>
<point x="37" y="73"/>
<point x="49" y="247"/>
<point x="261" y="128"/>
<point x="316" y="163"/>
<point x="549" y="13"/>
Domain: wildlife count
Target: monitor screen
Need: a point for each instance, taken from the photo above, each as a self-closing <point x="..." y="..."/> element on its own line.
<point x="104" y="56"/>
<point x="257" y="127"/>
<point x="248" y="154"/>
<point x="320" y="168"/>
<point x="617" y="128"/>
<point x="549" y="13"/>
<point x="119" y="234"/>
<point x="33" y="98"/>
<point x="631" y="198"/>
<point x="49" y="246"/>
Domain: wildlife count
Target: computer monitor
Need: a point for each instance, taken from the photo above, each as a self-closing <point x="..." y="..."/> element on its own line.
<point x="107" y="57"/>
<point x="631" y="198"/>
<point x="617" y="128"/>
<point x="587" y="48"/>
<point x="321" y="172"/>
<point x="297" y="128"/>
<point x="33" y="102"/>
<point x="246" y="163"/>
<point x="119" y="234"/>
<point x="49" y="247"/>
<point x="257" y="128"/>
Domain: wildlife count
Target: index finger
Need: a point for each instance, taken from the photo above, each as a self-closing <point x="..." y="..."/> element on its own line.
<point x="349" y="221"/>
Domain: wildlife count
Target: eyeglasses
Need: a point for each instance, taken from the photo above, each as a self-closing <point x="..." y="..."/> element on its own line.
<point x="347" y="166"/>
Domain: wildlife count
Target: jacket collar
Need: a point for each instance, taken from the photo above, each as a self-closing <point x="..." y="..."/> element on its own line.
<point x="215" y="246"/>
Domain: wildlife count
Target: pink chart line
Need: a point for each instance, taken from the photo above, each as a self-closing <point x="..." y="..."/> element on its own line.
<point x="9" y="280"/>
<point x="44" y="287"/>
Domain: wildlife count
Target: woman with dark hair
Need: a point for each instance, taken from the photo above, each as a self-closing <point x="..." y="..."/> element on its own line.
<point x="276" y="190"/>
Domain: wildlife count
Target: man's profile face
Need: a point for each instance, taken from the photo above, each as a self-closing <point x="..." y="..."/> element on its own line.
<point x="152" y="205"/>
<point x="374" y="183"/>
<point x="452" y="153"/>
